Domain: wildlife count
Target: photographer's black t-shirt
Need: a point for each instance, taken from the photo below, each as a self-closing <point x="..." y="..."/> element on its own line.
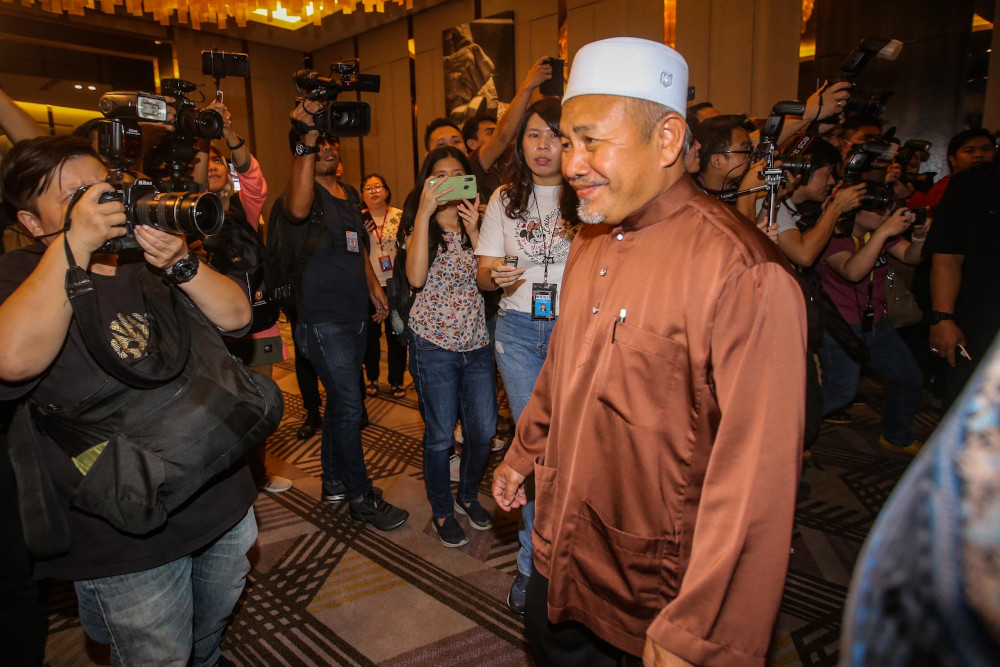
<point x="98" y="549"/>
<point x="334" y="285"/>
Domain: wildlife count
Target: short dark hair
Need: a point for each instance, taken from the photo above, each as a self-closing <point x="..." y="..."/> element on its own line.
<point x="30" y="165"/>
<point x="855" y="122"/>
<point x="385" y="185"/>
<point x="822" y="153"/>
<point x="435" y="124"/>
<point x="470" y="128"/>
<point x="715" y="135"/>
<point x="965" y="136"/>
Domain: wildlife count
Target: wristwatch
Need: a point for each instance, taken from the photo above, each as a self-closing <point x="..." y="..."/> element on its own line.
<point x="302" y="149"/>
<point x="937" y="316"/>
<point x="182" y="271"/>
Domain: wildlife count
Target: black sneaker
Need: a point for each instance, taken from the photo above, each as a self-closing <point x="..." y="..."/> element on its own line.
<point x="450" y="532"/>
<point x="334" y="493"/>
<point x="309" y="427"/>
<point x="370" y="508"/>
<point x="478" y="516"/>
<point x="518" y="595"/>
<point x="839" y="417"/>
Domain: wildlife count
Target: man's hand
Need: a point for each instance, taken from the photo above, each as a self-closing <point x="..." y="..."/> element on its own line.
<point x="828" y="100"/>
<point x="849" y="199"/>
<point x="508" y="487"/>
<point x="898" y="222"/>
<point x="945" y="337"/>
<point x="303" y="112"/>
<point x="655" y="655"/>
<point x="381" y="303"/>
<point x="161" y="249"/>
<point x="93" y="223"/>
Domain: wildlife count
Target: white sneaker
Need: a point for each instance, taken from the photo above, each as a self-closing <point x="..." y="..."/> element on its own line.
<point x="454" y="463"/>
<point x="276" y="484"/>
<point x="498" y="444"/>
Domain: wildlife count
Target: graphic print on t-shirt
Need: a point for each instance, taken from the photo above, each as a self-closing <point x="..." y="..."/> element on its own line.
<point x="129" y="334"/>
<point x="534" y="237"/>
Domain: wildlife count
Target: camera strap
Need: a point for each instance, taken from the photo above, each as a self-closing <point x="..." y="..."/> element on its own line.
<point x="84" y="300"/>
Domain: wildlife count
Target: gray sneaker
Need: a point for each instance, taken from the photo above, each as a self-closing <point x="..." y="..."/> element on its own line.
<point x="370" y="508"/>
<point x="334" y="493"/>
<point x="450" y="532"/>
<point x="478" y="516"/>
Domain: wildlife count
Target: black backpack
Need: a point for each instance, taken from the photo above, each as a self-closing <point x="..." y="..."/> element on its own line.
<point x="238" y="252"/>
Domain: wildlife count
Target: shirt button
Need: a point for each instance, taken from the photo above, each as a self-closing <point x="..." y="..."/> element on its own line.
<point x="620" y="237"/>
<point x="595" y="309"/>
<point x="604" y="272"/>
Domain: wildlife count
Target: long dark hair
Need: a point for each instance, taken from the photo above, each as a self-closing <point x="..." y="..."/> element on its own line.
<point x="435" y="239"/>
<point x="521" y="182"/>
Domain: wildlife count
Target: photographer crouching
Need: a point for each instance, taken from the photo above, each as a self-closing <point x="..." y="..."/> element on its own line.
<point x="129" y="444"/>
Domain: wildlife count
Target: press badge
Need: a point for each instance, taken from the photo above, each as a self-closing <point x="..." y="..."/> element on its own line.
<point x="352" y="243"/>
<point x="543" y="301"/>
<point x="385" y="262"/>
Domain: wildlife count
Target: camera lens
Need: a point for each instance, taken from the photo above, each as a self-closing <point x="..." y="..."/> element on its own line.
<point x="206" y="124"/>
<point x="193" y="214"/>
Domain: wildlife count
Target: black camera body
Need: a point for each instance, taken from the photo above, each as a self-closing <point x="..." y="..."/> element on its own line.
<point x="338" y="119"/>
<point x="871" y="156"/>
<point x="796" y="165"/>
<point x="195" y="215"/>
<point x="190" y="122"/>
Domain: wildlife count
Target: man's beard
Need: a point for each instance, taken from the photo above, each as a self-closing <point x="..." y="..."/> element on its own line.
<point x="588" y="217"/>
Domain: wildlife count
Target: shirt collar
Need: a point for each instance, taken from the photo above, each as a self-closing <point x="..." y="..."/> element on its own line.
<point x="665" y="205"/>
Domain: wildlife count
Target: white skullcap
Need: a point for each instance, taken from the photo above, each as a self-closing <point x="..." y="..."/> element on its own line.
<point x="630" y="67"/>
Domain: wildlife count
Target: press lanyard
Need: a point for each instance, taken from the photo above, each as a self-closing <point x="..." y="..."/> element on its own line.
<point x="380" y="228"/>
<point x="546" y="240"/>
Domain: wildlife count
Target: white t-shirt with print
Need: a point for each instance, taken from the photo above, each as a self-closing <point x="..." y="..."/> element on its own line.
<point x="528" y="241"/>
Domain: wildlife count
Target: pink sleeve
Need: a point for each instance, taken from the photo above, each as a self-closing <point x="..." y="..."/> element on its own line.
<point x="253" y="192"/>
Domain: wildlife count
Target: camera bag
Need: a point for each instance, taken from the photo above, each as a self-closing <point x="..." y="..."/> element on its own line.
<point x="149" y="449"/>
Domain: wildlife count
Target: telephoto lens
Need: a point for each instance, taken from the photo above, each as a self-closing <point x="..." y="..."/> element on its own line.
<point x="190" y="213"/>
<point x="206" y="124"/>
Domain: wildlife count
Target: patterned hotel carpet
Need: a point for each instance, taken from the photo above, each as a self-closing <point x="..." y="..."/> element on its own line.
<point x="324" y="591"/>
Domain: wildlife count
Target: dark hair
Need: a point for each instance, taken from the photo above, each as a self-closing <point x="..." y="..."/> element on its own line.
<point x="85" y="129"/>
<point x="470" y="128"/>
<point x="435" y="235"/>
<point x="521" y="184"/>
<point x="435" y="124"/>
<point x="856" y="122"/>
<point x="822" y="153"/>
<point x="716" y="135"/>
<point x="965" y="136"/>
<point x="31" y="164"/>
<point x="385" y="185"/>
<point x="691" y="115"/>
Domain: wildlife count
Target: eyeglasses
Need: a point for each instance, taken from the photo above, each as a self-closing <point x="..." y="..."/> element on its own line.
<point x="373" y="189"/>
<point x="746" y="152"/>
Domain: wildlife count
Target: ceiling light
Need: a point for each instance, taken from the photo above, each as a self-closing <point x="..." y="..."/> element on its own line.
<point x="78" y="87"/>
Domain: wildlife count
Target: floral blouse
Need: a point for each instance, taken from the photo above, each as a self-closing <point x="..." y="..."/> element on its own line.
<point x="449" y="311"/>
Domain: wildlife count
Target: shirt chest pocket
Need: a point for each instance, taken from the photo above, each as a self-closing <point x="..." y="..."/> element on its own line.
<point x="640" y="376"/>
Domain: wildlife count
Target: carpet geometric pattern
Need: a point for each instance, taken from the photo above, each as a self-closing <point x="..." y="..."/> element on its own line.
<point x="325" y="590"/>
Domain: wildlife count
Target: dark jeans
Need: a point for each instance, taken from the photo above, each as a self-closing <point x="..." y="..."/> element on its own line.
<point x="452" y="385"/>
<point x="305" y="375"/>
<point x="891" y="359"/>
<point x="335" y="351"/>
<point x="395" y="348"/>
<point x="567" y="644"/>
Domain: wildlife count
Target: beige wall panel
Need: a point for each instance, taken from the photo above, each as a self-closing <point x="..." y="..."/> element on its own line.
<point x="991" y="107"/>
<point x="579" y="29"/>
<point x="645" y="19"/>
<point x="382" y="45"/>
<point x="775" y="69"/>
<point x="693" y="31"/>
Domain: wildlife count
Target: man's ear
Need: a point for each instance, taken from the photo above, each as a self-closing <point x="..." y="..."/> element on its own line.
<point x="670" y="131"/>
<point x="30" y="222"/>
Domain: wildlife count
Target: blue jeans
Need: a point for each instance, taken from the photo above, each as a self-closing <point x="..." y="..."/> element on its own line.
<point x="452" y="385"/>
<point x="521" y="346"/>
<point x="892" y="360"/>
<point x="173" y="614"/>
<point x="336" y="352"/>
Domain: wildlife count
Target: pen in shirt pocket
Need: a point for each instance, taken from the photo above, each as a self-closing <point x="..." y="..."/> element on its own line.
<point x="620" y="320"/>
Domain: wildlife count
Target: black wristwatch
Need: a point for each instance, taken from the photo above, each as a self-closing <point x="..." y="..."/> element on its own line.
<point x="937" y="316"/>
<point x="182" y="271"/>
<point x="302" y="149"/>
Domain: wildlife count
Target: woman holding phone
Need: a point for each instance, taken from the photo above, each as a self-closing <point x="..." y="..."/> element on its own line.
<point x="522" y="248"/>
<point x="449" y="344"/>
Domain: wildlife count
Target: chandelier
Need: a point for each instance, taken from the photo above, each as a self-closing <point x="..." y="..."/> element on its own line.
<point x="292" y="14"/>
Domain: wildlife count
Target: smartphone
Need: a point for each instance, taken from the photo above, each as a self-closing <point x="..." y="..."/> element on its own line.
<point x="235" y="176"/>
<point x="219" y="64"/>
<point x="919" y="215"/>
<point x="463" y="187"/>
<point x="555" y="85"/>
<point x="510" y="260"/>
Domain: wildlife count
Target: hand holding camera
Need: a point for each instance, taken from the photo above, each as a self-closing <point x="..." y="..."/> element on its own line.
<point x="897" y="223"/>
<point x="95" y="219"/>
<point x="849" y="198"/>
<point x="161" y="249"/>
